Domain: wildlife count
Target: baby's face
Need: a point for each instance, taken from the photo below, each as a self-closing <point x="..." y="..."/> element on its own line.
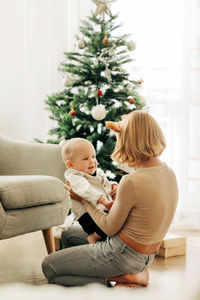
<point x="84" y="159"/>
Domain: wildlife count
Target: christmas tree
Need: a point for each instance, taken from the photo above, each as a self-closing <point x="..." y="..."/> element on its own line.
<point x="97" y="87"/>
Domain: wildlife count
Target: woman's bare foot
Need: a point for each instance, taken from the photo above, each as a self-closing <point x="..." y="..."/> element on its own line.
<point x="93" y="238"/>
<point x="127" y="285"/>
<point x="140" y="278"/>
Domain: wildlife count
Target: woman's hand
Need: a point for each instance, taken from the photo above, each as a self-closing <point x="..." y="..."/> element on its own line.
<point x="72" y="194"/>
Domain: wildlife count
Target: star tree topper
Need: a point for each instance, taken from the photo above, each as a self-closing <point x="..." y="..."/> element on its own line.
<point x="102" y="6"/>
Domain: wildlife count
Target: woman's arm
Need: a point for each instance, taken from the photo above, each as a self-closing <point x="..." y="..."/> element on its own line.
<point x="112" y="223"/>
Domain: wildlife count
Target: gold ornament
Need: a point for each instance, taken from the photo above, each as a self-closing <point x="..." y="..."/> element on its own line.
<point x="68" y="81"/>
<point x="72" y="112"/>
<point x="81" y="44"/>
<point x="105" y="40"/>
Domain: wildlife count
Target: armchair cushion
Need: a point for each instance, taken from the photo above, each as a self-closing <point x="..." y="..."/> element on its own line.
<point x="30" y="190"/>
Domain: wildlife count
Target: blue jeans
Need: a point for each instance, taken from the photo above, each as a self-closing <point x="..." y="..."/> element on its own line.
<point x="82" y="263"/>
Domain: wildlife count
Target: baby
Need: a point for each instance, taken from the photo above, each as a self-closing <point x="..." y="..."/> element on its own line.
<point x="88" y="182"/>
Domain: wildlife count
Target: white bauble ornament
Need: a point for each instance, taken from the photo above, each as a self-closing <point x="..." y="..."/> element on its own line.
<point x="131" y="45"/>
<point x="81" y="44"/>
<point x="68" y="81"/>
<point x="99" y="112"/>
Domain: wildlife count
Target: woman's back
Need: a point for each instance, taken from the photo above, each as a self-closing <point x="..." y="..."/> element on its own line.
<point x="153" y="192"/>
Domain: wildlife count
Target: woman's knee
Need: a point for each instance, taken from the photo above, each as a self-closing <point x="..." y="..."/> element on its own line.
<point x="47" y="269"/>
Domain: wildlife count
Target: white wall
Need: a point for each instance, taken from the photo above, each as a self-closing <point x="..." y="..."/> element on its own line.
<point x="34" y="34"/>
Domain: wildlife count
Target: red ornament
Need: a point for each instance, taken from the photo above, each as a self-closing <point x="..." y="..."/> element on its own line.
<point x="140" y="81"/>
<point x="99" y="93"/>
<point x="72" y="112"/>
<point x="131" y="101"/>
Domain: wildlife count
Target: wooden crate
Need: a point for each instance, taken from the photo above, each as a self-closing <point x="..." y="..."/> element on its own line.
<point x="172" y="245"/>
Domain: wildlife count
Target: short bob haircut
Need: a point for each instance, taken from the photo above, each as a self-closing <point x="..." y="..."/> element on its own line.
<point x="140" y="138"/>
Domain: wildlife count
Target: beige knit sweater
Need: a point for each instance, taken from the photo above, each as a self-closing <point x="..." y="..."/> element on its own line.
<point x="144" y="207"/>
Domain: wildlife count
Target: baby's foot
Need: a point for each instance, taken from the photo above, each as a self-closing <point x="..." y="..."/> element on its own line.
<point x="93" y="238"/>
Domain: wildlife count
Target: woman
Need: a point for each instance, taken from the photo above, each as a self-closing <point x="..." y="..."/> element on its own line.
<point x="137" y="222"/>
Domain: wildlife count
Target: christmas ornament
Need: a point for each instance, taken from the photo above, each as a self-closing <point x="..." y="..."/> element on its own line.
<point x="131" y="101"/>
<point x="68" y="82"/>
<point x="72" y="112"/>
<point x="108" y="73"/>
<point x="105" y="40"/>
<point x="81" y="44"/>
<point x="131" y="46"/>
<point x="88" y="82"/>
<point x="140" y="81"/>
<point x="102" y="6"/>
<point x="99" y="93"/>
<point x="98" y="112"/>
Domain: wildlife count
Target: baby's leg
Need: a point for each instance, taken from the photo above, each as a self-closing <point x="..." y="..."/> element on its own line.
<point x="74" y="236"/>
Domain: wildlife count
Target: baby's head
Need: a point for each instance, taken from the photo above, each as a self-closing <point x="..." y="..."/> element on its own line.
<point x="79" y="154"/>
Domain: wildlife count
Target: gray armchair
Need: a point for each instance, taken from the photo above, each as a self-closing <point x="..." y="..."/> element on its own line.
<point x="32" y="194"/>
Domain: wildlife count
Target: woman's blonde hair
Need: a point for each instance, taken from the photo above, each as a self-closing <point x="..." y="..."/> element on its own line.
<point x="140" y="138"/>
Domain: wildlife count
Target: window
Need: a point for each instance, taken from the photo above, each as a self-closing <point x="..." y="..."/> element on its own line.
<point x="167" y="35"/>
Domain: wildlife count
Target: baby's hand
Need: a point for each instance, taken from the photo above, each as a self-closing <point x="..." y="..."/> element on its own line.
<point x="113" y="191"/>
<point x="105" y="202"/>
<point x="109" y="205"/>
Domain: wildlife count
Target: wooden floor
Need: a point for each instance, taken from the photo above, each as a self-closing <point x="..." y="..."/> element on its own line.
<point x="172" y="278"/>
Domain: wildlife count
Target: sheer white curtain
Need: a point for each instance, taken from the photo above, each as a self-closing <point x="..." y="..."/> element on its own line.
<point x="34" y="35"/>
<point x="167" y="34"/>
